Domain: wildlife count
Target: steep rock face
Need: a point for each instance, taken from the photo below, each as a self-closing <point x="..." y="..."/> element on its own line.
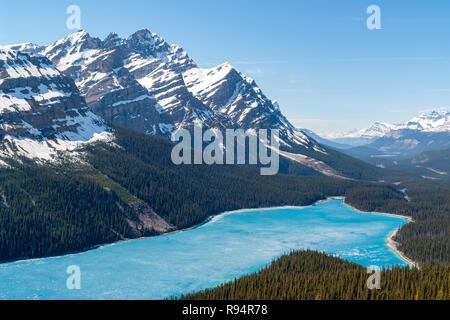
<point x="134" y="82"/>
<point x="226" y="90"/>
<point x="109" y="89"/>
<point x="229" y="92"/>
<point x="41" y="110"/>
<point x="144" y="83"/>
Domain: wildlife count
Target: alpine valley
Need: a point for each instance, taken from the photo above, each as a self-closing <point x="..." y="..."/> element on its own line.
<point x="420" y="145"/>
<point x="148" y="85"/>
<point x="85" y="127"/>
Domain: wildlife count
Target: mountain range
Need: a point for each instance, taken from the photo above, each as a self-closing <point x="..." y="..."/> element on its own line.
<point x="435" y="121"/>
<point x="428" y="131"/>
<point x="143" y="83"/>
<point x="71" y="177"/>
<point x="41" y="110"/>
<point x="85" y="159"/>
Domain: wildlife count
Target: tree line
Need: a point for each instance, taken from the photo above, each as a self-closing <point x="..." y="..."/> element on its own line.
<point x="309" y="275"/>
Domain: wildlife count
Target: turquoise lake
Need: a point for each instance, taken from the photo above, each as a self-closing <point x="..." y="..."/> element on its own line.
<point x="228" y="246"/>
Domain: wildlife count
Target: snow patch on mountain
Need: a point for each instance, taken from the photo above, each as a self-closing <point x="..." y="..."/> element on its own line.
<point x="147" y="84"/>
<point x="17" y="65"/>
<point x="434" y="121"/>
<point x="48" y="150"/>
<point x="41" y="111"/>
<point x="26" y="47"/>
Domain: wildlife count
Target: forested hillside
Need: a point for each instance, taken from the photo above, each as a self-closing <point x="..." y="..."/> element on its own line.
<point x="195" y="192"/>
<point x="429" y="164"/>
<point x="188" y="194"/>
<point x="308" y="275"/>
<point x="47" y="210"/>
<point x="54" y="209"/>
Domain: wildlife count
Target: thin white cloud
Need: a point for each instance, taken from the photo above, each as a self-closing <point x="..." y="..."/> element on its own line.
<point x="255" y="71"/>
<point x="261" y="62"/>
<point x="313" y="120"/>
<point x="295" y="90"/>
<point x="243" y="63"/>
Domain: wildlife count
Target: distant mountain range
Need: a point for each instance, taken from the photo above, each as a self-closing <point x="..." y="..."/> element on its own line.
<point x="145" y="84"/>
<point x="432" y="122"/>
<point x="426" y="132"/>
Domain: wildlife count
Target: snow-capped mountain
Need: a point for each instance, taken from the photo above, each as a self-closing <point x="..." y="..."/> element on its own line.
<point x="135" y="82"/>
<point x="41" y="110"/>
<point x="426" y="132"/>
<point x="144" y="83"/>
<point x="358" y="137"/>
<point x="226" y="90"/>
<point x="434" y="121"/>
<point x="27" y="47"/>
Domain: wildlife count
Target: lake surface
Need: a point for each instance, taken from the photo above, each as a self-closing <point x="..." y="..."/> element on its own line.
<point x="229" y="246"/>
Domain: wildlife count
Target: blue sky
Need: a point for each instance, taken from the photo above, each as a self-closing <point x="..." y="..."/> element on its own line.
<point x="317" y="58"/>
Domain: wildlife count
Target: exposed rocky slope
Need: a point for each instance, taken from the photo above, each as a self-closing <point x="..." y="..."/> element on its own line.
<point x="146" y="84"/>
<point x="41" y="110"/>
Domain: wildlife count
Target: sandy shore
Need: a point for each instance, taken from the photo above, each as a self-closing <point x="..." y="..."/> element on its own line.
<point x="393" y="245"/>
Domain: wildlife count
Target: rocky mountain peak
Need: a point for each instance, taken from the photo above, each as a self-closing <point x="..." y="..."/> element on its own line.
<point x="68" y="51"/>
<point x="148" y="44"/>
<point x="436" y="120"/>
<point x="41" y="110"/>
<point x="112" y="40"/>
<point x="144" y="35"/>
<point x="26" y="47"/>
<point x="80" y="40"/>
<point x="144" y="81"/>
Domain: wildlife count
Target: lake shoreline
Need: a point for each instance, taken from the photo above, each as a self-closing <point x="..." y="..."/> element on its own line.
<point x="390" y="243"/>
<point x="393" y="245"/>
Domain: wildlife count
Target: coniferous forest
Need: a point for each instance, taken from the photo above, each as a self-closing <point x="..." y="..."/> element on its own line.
<point x="51" y="209"/>
<point x="308" y="275"/>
